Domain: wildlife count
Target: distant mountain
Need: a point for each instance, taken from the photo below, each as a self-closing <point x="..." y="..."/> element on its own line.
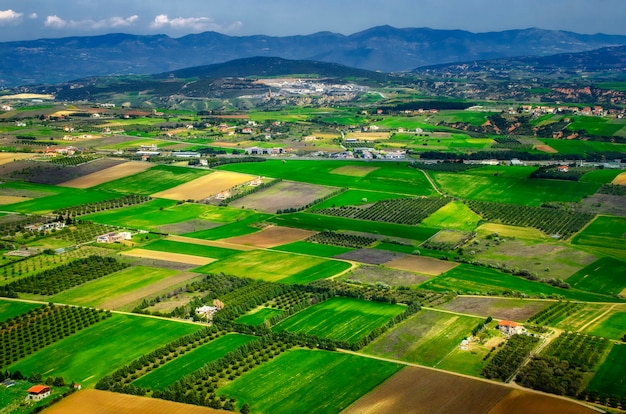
<point x="381" y="48"/>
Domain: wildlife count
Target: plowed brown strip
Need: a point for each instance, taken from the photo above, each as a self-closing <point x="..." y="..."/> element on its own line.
<point x="425" y="265"/>
<point x="108" y="174"/>
<point x="523" y="402"/>
<point x="272" y="237"/>
<point x="105" y="402"/>
<point x="170" y="257"/>
<point x="212" y="243"/>
<point x="620" y="179"/>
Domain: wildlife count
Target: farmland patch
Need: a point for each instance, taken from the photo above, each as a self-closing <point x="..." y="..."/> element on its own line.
<point x="523" y="402"/>
<point x="313" y="249"/>
<point x="611" y="376"/>
<point x="12" y="199"/>
<point x="188" y="226"/>
<point x="205" y="186"/>
<point x="370" y="256"/>
<point x="455" y="215"/>
<point x="499" y="308"/>
<point x="620" y="179"/>
<point x="10" y="309"/>
<point x="353" y="170"/>
<point x="426" y="265"/>
<point x="611" y="325"/>
<point x="170" y="257"/>
<point x="382" y="275"/>
<point x="605" y="275"/>
<point x="271" y="237"/>
<point x="194" y="249"/>
<point x="604" y="231"/>
<point x="107" y="174"/>
<point x="283" y="196"/>
<point x="154" y="180"/>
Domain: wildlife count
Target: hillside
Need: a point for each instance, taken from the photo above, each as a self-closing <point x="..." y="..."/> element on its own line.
<point x="382" y="48"/>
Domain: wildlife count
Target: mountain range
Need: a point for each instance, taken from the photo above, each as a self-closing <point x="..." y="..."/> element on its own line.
<point x="382" y="48"/>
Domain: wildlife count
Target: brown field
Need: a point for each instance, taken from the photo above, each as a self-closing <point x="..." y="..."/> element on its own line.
<point x="108" y="174"/>
<point x="106" y="402"/>
<point x="545" y="148"/>
<point x="213" y="243"/>
<point x="353" y="170"/>
<point x="523" y="402"/>
<point x="170" y="257"/>
<point x="620" y="179"/>
<point x="391" y="277"/>
<point x="499" y="308"/>
<point x="134" y="297"/>
<point x="188" y="226"/>
<point x="282" y="196"/>
<point x="425" y="265"/>
<point x="205" y="186"/>
<point x="12" y="199"/>
<point x="271" y="237"/>
<point x="420" y="390"/>
<point x="7" y="157"/>
<point x="368" y="136"/>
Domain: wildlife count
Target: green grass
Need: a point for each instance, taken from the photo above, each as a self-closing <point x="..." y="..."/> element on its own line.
<point x="356" y="198"/>
<point x="573" y="146"/>
<point x="314" y="249"/>
<point x="604" y="231"/>
<point x="611" y="376"/>
<point x="425" y="338"/>
<point x="314" y="382"/>
<point x="171" y="372"/>
<point x="600" y="176"/>
<point x="470" y="279"/>
<point x="275" y="266"/>
<point x="512" y="189"/>
<point x="611" y="326"/>
<point x="595" y="125"/>
<point x="341" y="319"/>
<point x="10" y="309"/>
<point x="258" y="316"/>
<point x="320" y="223"/>
<point x="238" y="228"/>
<point x="94" y="352"/>
<point x="389" y="177"/>
<point x="605" y="275"/>
<point x="455" y="215"/>
<point x="152" y="181"/>
<point x="97" y="292"/>
<point x="192" y="249"/>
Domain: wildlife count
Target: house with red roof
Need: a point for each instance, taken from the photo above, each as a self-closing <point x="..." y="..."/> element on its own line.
<point x="510" y="328"/>
<point x="38" y="392"/>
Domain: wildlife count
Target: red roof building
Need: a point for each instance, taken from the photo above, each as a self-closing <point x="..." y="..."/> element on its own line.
<point x="38" y="392"/>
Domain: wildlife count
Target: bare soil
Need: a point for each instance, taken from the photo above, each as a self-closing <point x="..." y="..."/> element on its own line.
<point x="108" y="174"/>
<point x="391" y="277"/>
<point x="602" y="204"/>
<point x="4" y="200"/>
<point x="499" y="308"/>
<point x="271" y="237"/>
<point x="426" y="265"/>
<point x="48" y="173"/>
<point x="188" y="226"/>
<point x="524" y="402"/>
<point x="283" y="196"/>
<point x="170" y="257"/>
<point x="545" y="148"/>
<point x="370" y="256"/>
<point x="214" y="243"/>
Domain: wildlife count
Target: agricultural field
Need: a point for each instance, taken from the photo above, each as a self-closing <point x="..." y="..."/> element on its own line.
<point x="353" y="170"/>
<point x="205" y="186"/>
<point x="601" y="176"/>
<point x="172" y="371"/>
<point x="425" y="265"/>
<point x="425" y="338"/>
<point x="356" y="198"/>
<point x="313" y="249"/>
<point x="316" y="381"/>
<point x="454" y="215"/>
<point x="604" y="231"/>
<point x="59" y="198"/>
<point x="283" y="196"/>
<point x="108" y="174"/>
<point x="499" y="308"/>
<point x="376" y="275"/>
<point x="10" y="309"/>
<point x="169" y="257"/>
<point x="276" y="266"/>
<point x="194" y="249"/>
<point x="610" y="379"/>
<point x="620" y="179"/>
<point x="156" y="179"/>
<point x="606" y="275"/>
<point x="611" y="324"/>
<point x="341" y="319"/>
<point x="271" y="237"/>
<point x="94" y="352"/>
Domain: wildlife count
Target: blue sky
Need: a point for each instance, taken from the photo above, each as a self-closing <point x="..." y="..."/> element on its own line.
<point x="32" y="19"/>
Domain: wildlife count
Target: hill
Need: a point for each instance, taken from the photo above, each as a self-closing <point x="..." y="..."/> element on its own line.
<point x="381" y="48"/>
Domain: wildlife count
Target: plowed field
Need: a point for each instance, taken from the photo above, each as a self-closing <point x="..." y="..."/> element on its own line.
<point x="108" y="174"/>
<point x="205" y="186"/>
<point x="271" y="237"/>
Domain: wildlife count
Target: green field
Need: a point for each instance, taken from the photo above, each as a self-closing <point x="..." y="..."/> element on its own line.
<point x="470" y="279"/>
<point x="341" y="319"/>
<point x="10" y="309"/>
<point x="605" y="275"/>
<point x="319" y="222"/>
<point x="189" y="248"/>
<point x="99" y="291"/>
<point x="612" y="326"/>
<point x="595" y="125"/>
<point x="158" y="178"/>
<point x="275" y="266"/>
<point x="356" y="198"/>
<point x="604" y="231"/>
<point x="425" y="338"/>
<point x="94" y="352"/>
<point x="600" y="176"/>
<point x="611" y="376"/>
<point x="388" y="177"/>
<point x="314" y="249"/>
<point x="258" y="316"/>
<point x="314" y="382"/>
<point x="574" y="146"/>
<point x="187" y="363"/>
<point x="512" y="189"/>
<point x="240" y="227"/>
<point x="455" y="215"/>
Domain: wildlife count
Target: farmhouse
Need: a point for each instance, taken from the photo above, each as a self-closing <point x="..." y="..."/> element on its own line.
<point x="510" y="328"/>
<point x="223" y="195"/>
<point x="206" y="312"/>
<point x="395" y="155"/>
<point x="563" y="168"/>
<point x="38" y="392"/>
<point x="256" y="182"/>
<point x="113" y="237"/>
<point x="45" y="227"/>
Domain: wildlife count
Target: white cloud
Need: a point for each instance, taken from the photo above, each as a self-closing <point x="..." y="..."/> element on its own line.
<point x="56" y="22"/>
<point x="33" y="16"/>
<point x="195" y="24"/>
<point x="9" y="17"/>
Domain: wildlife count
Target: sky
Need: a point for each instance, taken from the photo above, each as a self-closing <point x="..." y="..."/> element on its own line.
<point x="35" y="19"/>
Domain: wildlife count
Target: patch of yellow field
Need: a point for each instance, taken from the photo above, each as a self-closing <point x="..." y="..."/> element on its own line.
<point x="545" y="148"/>
<point x="169" y="257"/>
<point x="424" y="265"/>
<point x="64" y="113"/>
<point x="213" y="243"/>
<point x="620" y="179"/>
<point x="4" y="200"/>
<point x="271" y="237"/>
<point x="28" y="96"/>
<point x="353" y="170"/>
<point x="7" y="157"/>
<point x="108" y="174"/>
<point x="504" y="230"/>
<point x="205" y="186"/>
<point x="368" y="136"/>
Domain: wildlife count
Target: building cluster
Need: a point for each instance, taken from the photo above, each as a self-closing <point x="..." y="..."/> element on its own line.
<point x="114" y="237"/>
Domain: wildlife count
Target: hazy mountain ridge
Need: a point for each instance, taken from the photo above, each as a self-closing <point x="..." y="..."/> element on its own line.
<point x="381" y="48"/>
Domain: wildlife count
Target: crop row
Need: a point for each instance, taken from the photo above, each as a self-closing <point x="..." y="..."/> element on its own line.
<point x="552" y="221"/>
<point x="401" y="211"/>
<point x="555" y="311"/>
<point x="341" y="239"/>
<point x="29" y="332"/>
<point x="88" y="208"/>
<point x="504" y="363"/>
<point x="581" y="351"/>
<point x="72" y="161"/>
<point x="53" y="281"/>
